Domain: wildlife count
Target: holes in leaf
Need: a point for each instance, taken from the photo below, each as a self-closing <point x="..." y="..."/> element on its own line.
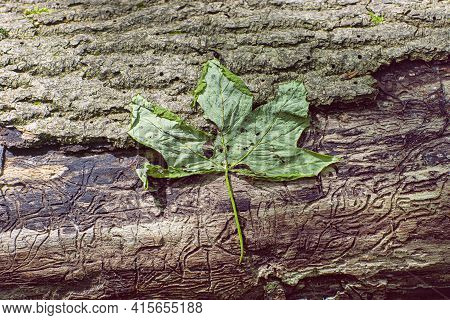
<point x="176" y="79"/>
<point x="130" y="65"/>
<point x="161" y="74"/>
<point x="359" y="56"/>
<point x="257" y="133"/>
<point x="215" y="54"/>
<point x="333" y="66"/>
<point x="308" y="58"/>
<point x="242" y="166"/>
<point x="208" y="151"/>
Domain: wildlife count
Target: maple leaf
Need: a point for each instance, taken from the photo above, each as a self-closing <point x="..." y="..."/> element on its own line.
<point x="260" y="143"/>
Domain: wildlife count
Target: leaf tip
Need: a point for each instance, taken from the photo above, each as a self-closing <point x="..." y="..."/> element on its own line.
<point x="335" y="159"/>
<point x="137" y="99"/>
<point x="214" y="63"/>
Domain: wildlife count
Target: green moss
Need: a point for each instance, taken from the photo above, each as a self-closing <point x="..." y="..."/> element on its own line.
<point x="176" y="32"/>
<point x="36" y="10"/>
<point x="37" y="103"/>
<point x="271" y="286"/>
<point x="4" y="33"/>
<point x="375" y="19"/>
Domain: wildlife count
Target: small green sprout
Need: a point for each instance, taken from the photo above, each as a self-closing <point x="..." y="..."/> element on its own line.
<point x="374" y="18"/>
<point x="4" y="33"/>
<point x="36" y="10"/>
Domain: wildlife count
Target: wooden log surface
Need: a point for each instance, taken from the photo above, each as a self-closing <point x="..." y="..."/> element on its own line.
<point x="76" y="223"/>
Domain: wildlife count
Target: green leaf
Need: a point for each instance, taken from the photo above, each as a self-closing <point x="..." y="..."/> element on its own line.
<point x="224" y="98"/>
<point x="293" y="163"/>
<point x="180" y="144"/>
<point x="260" y="143"/>
<point x="156" y="171"/>
<point x="266" y="142"/>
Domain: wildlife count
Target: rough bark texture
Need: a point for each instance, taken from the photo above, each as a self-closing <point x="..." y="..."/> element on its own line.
<point x="76" y="223"/>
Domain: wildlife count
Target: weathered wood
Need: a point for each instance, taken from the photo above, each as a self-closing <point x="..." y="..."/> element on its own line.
<point x="67" y="73"/>
<point x="76" y="223"/>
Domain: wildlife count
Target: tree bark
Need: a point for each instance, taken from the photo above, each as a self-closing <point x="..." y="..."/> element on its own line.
<point x="76" y="223"/>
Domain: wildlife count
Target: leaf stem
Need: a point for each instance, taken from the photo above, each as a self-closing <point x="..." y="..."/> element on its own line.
<point x="235" y="212"/>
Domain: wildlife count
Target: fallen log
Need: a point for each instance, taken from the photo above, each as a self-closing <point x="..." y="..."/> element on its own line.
<point x="76" y="223"/>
